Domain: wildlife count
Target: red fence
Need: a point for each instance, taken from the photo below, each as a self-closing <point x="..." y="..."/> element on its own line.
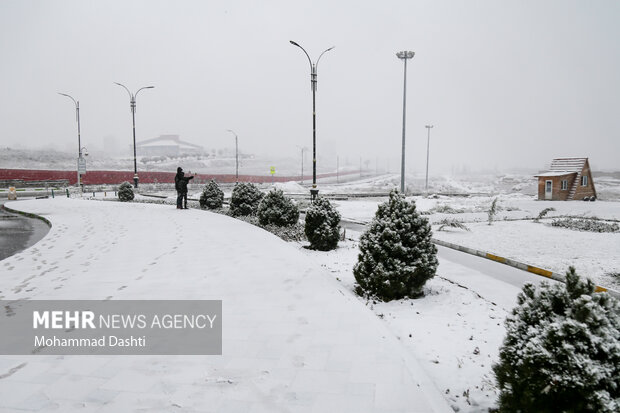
<point x="116" y="177"/>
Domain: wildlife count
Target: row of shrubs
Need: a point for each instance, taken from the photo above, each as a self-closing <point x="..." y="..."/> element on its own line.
<point x="583" y="224"/>
<point x="275" y="209"/>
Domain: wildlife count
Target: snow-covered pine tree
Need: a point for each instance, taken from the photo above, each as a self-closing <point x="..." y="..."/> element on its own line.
<point x="212" y="196"/>
<point x="561" y="352"/>
<point x="245" y="199"/>
<point x="125" y="192"/>
<point x="277" y="209"/>
<point x="396" y="256"/>
<point x="322" y="225"/>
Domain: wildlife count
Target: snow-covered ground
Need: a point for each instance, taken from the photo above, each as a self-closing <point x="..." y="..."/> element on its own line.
<point x="450" y="337"/>
<point x="593" y="254"/>
<point x="453" y="330"/>
<point x="294" y="338"/>
<point x="515" y="235"/>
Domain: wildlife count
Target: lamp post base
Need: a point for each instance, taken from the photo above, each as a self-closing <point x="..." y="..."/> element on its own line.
<point x="135" y="181"/>
<point x="314" y="193"/>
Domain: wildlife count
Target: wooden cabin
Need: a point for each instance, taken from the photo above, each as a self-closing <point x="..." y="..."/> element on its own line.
<point x="567" y="179"/>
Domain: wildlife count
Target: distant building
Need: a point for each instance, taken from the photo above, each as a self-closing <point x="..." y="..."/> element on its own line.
<point x="167" y="145"/>
<point x="567" y="179"/>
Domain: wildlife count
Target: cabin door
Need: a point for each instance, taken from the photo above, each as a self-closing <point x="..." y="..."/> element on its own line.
<point x="548" y="189"/>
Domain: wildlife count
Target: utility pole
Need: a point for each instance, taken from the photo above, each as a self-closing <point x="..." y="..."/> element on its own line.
<point x="337" y="169"/>
<point x="428" y="142"/>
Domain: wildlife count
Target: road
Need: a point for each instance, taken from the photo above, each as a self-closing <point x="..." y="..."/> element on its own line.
<point x="493" y="281"/>
<point x="18" y="232"/>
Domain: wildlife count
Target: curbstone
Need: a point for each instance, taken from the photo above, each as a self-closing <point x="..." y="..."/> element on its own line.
<point x="27" y="214"/>
<point x="522" y="266"/>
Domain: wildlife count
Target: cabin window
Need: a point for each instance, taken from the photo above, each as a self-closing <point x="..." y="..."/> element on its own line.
<point x="564" y="185"/>
<point x="584" y="180"/>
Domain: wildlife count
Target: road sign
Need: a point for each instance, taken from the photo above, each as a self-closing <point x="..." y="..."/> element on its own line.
<point x="81" y="165"/>
<point x="272" y="170"/>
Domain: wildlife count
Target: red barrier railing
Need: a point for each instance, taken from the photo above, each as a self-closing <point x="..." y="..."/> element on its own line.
<point x="146" y="177"/>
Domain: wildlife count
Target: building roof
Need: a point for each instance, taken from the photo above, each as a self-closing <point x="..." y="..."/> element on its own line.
<point x="568" y="164"/>
<point x="168" y="140"/>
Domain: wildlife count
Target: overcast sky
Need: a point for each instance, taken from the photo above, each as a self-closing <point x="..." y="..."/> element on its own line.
<point x="505" y="83"/>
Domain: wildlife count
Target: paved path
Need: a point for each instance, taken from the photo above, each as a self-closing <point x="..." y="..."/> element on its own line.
<point x="294" y="339"/>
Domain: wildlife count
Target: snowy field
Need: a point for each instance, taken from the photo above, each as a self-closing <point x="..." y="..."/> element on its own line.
<point x="515" y="235"/>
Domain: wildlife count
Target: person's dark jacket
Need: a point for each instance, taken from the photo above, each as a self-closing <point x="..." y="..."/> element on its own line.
<point x="180" y="181"/>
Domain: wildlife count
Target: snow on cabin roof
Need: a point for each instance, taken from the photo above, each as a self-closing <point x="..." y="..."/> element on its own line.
<point x="568" y="164"/>
<point x="556" y="173"/>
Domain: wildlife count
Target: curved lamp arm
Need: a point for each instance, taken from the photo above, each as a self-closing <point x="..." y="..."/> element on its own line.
<point x="145" y="87"/>
<point x="321" y="55"/>
<point x="70" y="97"/>
<point x="125" y="87"/>
<point x="304" y="50"/>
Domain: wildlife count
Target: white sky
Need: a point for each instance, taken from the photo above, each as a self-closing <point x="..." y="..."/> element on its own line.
<point x="506" y="83"/>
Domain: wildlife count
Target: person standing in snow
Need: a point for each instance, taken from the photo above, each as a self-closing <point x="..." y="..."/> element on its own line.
<point x="180" y="184"/>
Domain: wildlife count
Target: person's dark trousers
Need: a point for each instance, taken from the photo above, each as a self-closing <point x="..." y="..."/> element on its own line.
<point x="185" y="199"/>
<point x="180" y="200"/>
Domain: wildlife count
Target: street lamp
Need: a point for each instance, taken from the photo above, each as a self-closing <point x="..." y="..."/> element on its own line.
<point x="404" y="55"/>
<point x="428" y="142"/>
<point x="236" y="155"/>
<point x="313" y="81"/>
<point x="77" y="117"/>
<point x="132" y="103"/>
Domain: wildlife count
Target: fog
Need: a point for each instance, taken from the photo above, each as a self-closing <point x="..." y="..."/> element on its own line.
<point x="508" y="84"/>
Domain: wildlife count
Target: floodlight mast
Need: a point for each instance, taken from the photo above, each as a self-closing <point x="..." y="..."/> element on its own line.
<point x="404" y="55"/>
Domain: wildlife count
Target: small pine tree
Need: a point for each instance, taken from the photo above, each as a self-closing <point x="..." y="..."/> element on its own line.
<point x="125" y="192"/>
<point x="212" y="196"/>
<point x="322" y="225"/>
<point x="245" y="199"/>
<point x="452" y="223"/>
<point x="277" y="209"/>
<point x="561" y="352"/>
<point x="492" y="211"/>
<point x="543" y="213"/>
<point x="396" y="256"/>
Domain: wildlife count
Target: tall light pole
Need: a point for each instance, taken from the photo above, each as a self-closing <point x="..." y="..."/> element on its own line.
<point x="337" y="169"/>
<point x="132" y="103"/>
<point x="428" y="142"/>
<point x="77" y="117"/>
<point x="303" y="149"/>
<point x="313" y="81"/>
<point x="404" y="55"/>
<point x="236" y="155"/>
